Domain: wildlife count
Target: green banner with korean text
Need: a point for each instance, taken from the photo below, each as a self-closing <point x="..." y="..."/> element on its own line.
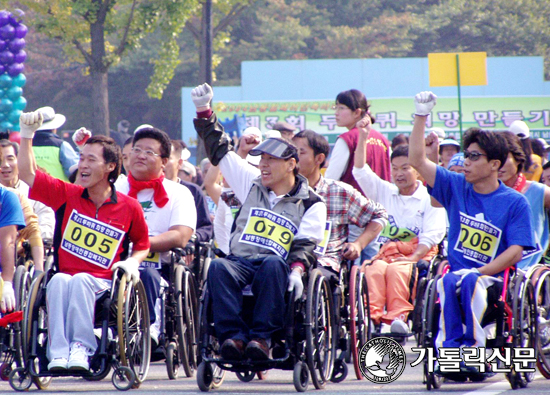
<point x="394" y="116"/>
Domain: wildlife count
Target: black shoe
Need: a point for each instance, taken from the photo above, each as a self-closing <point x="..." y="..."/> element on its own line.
<point x="257" y="350"/>
<point x="232" y="350"/>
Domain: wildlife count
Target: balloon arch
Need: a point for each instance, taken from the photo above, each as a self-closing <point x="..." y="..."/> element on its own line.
<point x="12" y="79"/>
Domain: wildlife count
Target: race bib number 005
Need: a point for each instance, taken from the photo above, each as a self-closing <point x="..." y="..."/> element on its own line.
<point x="270" y="230"/>
<point x="478" y="240"/>
<point x="91" y="240"/>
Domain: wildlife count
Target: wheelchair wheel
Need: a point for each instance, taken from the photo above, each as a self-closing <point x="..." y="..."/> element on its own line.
<point x="22" y="285"/>
<point x="187" y="328"/>
<point x="172" y="366"/>
<point x="133" y="328"/>
<point x="359" y="315"/>
<point x="524" y="326"/>
<point x="542" y="301"/>
<point x="35" y="313"/>
<point x="301" y="376"/>
<point x="321" y="329"/>
<point x="245" y="377"/>
<point x="430" y="326"/>
<point x="209" y="376"/>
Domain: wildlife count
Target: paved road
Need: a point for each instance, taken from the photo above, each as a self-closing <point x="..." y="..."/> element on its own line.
<point x="280" y="382"/>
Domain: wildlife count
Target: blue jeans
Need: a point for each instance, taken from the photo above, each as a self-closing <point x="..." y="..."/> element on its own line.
<point x="269" y="280"/>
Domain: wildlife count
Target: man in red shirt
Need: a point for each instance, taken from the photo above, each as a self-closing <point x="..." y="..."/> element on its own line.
<point x="94" y="227"/>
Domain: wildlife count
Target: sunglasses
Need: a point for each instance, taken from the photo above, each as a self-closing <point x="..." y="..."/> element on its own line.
<point x="473" y="156"/>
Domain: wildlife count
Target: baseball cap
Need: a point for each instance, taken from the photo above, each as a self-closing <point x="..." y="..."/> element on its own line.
<point x="277" y="147"/>
<point x="449" y="142"/>
<point x="456" y="160"/>
<point x="520" y="129"/>
<point x="252" y="130"/>
<point x="283" y="126"/>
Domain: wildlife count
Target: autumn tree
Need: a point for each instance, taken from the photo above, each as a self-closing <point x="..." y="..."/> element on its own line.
<point x="98" y="33"/>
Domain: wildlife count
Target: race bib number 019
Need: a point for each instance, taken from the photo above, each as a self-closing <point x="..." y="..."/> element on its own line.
<point x="322" y="247"/>
<point x="152" y="260"/>
<point x="478" y="240"/>
<point x="91" y="240"/>
<point x="270" y="230"/>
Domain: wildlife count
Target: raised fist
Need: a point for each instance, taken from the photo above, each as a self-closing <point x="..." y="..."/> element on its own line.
<point x="424" y="103"/>
<point x="202" y="95"/>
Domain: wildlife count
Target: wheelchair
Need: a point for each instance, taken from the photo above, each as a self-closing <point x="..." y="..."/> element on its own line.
<point x="179" y="314"/>
<point x="10" y="336"/>
<point x="124" y="344"/>
<point x="539" y="277"/>
<point x="306" y="344"/>
<point x="509" y="321"/>
<point x="352" y="309"/>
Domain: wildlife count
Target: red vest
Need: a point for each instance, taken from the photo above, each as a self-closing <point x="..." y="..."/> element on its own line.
<point x="378" y="157"/>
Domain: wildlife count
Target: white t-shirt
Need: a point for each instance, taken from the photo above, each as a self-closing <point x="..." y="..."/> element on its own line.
<point x="408" y="215"/>
<point x="180" y="209"/>
<point x="223" y="221"/>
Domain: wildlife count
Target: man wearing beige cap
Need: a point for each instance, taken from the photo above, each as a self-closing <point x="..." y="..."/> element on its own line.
<point x="287" y="130"/>
<point x="51" y="152"/>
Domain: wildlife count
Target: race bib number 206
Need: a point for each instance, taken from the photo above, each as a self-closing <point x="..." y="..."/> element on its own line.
<point x="478" y="240"/>
<point x="270" y="230"/>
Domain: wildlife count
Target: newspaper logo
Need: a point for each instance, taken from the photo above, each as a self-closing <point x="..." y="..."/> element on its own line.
<point x="382" y="360"/>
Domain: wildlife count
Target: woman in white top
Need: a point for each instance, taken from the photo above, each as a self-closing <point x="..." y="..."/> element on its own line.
<point x="414" y="230"/>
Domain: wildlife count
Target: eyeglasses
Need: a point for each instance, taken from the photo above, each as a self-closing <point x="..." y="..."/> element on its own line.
<point x="149" y="153"/>
<point x="473" y="156"/>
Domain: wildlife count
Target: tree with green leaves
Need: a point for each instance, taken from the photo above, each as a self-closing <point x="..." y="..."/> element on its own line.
<point x="98" y="33"/>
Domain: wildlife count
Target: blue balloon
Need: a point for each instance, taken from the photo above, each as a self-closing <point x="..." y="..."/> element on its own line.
<point x="5" y="81"/>
<point x="20" y="103"/>
<point x="19" y="80"/>
<point x="6" y="105"/>
<point x="13" y="116"/>
<point x="14" y="93"/>
<point x="3" y="117"/>
<point x="2" y="93"/>
<point x="6" y="126"/>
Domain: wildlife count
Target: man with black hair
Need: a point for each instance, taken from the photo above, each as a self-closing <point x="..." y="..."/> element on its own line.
<point x="345" y="205"/>
<point x="95" y="225"/>
<point x="168" y="206"/>
<point x="490" y="226"/>
<point x="273" y="239"/>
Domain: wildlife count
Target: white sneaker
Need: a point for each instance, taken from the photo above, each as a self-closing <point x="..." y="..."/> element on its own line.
<point x="399" y="326"/>
<point x="78" y="357"/>
<point x="154" y="332"/>
<point x="58" y="364"/>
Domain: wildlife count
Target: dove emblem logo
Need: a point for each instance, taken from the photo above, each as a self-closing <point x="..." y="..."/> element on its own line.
<point x="382" y="360"/>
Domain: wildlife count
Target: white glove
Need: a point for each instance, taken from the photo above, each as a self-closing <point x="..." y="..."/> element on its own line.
<point x="424" y="103"/>
<point x="81" y="136"/>
<point x="130" y="267"/>
<point x="8" y="298"/>
<point x="295" y="282"/>
<point x="202" y="95"/>
<point x="29" y="122"/>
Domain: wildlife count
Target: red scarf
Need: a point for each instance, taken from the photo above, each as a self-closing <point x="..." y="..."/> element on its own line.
<point x="160" y="196"/>
<point x="520" y="183"/>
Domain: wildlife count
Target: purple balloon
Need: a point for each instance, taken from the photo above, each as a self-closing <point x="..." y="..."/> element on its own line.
<point x="4" y="17"/>
<point x="7" y="32"/>
<point x="3" y="45"/>
<point x="2" y="68"/>
<point x="6" y="57"/>
<point x="21" y="30"/>
<point x="15" y="69"/>
<point x="16" y="45"/>
<point x="20" y="56"/>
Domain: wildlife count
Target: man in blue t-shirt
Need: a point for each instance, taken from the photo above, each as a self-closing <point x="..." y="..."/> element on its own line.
<point x="490" y="225"/>
<point x="11" y="219"/>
